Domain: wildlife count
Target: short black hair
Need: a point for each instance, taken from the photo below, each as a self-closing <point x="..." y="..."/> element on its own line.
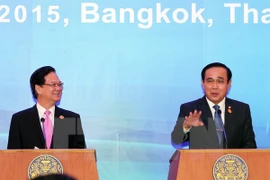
<point x="217" y="64"/>
<point x="55" y="177"/>
<point x="38" y="78"/>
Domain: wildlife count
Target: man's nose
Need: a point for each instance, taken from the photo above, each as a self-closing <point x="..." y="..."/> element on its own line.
<point x="215" y="84"/>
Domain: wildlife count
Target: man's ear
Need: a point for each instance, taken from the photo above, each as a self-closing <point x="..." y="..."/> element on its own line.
<point x="202" y="84"/>
<point x="38" y="89"/>
<point x="229" y="85"/>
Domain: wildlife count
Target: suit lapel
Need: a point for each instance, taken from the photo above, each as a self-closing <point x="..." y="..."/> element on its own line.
<point x="36" y="127"/>
<point x="206" y="115"/>
<point x="57" y="113"/>
<point x="228" y="116"/>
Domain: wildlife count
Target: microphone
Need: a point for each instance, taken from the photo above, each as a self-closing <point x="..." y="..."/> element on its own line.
<point x="225" y="136"/>
<point x="42" y="120"/>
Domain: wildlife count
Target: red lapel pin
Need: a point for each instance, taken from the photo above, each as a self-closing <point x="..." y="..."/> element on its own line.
<point x="229" y="109"/>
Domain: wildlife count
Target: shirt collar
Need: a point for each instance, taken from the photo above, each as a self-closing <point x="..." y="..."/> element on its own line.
<point x="221" y="103"/>
<point x="41" y="110"/>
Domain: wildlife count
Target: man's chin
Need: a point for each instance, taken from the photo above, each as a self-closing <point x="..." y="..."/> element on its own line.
<point x="57" y="99"/>
<point x="214" y="99"/>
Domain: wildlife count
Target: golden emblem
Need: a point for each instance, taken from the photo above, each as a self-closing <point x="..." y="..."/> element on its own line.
<point x="43" y="165"/>
<point x="230" y="166"/>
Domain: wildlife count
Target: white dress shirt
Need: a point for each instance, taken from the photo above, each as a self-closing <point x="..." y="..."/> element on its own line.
<point x="41" y="113"/>
<point x="221" y="107"/>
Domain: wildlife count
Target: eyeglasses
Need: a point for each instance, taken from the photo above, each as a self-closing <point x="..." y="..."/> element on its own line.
<point x="54" y="85"/>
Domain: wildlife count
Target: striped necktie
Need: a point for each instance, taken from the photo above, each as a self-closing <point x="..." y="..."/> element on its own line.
<point x="219" y="124"/>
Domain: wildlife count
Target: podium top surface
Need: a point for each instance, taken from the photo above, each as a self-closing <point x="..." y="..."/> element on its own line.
<point x="222" y="150"/>
<point x="49" y="151"/>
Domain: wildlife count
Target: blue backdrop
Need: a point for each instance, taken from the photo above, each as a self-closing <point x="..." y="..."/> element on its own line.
<point x="128" y="78"/>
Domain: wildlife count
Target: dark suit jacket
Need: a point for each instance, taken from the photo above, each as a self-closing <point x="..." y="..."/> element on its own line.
<point x="238" y="126"/>
<point x="26" y="133"/>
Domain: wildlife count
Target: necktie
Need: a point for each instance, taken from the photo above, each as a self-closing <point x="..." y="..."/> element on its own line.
<point x="219" y="125"/>
<point x="48" y="129"/>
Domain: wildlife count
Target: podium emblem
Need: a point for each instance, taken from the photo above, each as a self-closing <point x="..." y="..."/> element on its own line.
<point x="44" y="165"/>
<point x="230" y="166"/>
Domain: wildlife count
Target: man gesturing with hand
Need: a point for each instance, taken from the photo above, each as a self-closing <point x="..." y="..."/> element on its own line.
<point x="215" y="121"/>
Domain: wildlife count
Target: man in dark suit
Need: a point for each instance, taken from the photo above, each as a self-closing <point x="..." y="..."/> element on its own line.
<point x="196" y="119"/>
<point x="45" y="125"/>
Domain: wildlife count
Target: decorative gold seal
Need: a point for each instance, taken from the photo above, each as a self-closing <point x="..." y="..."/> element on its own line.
<point x="43" y="165"/>
<point x="230" y="166"/>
